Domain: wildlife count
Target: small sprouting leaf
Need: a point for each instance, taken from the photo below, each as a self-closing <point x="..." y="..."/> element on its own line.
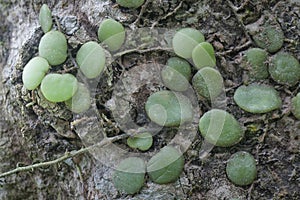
<point x="241" y="168"/>
<point x="220" y="128"/>
<point x="81" y="100"/>
<point x="208" y="83"/>
<point x="185" y="40"/>
<point x="257" y="98"/>
<point x="167" y="108"/>
<point x="53" y="47"/>
<point x="256" y="63"/>
<point x="166" y="166"/>
<point x="45" y="18"/>
<point x="204" y="55"/>
<point x="141" y="141"/>
<point x="111" y="33"/>
<point x="130" y="3"/>
<point x="285" y="69"/>
<point x="59" y="87"/>
<point x="91" y="59"/>
<point x="129" y="176"/>
<point x="176" y="74"/>
<point x="34" y="72"/>
<point x="296" y="106"/>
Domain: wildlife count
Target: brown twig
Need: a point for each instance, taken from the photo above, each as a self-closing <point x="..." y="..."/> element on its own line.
<point x="137" y="50"/>
<point x="134" y="24"/>
<point x="167" y="15"/>
<point x="234" y="10"/>
<point x="67" y="155"/>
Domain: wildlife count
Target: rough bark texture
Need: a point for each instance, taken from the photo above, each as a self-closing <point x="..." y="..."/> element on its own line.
<point x="32" y="133"/>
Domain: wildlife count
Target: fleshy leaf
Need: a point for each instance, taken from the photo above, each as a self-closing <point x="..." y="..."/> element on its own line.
<point x="204" y="55"/>
<point x="91" y="59"/>
<point x="141" y="141"/>
<point x="185" y="40"/>
<point x="168" y="108"/>
<point x="256" y="63"/>
<point x="45" y="18"/>
<point x="257" y="98"/>
<point x="285" y="69"/>
<point x="208" y="83"/>
<point x="53" y="47"/>
<point x="129" y="176"/>
<point x="270" y="38"/>
<point x="241" y="168"/>
<point x="176" y="74"/>
<point x="130" y="3"/>
<point x="296" y="106"/>
<point x="111" y="33"/>
<point x="220" y="128"/>
<point x="59" y="87"/>
<point x="81" y="100"/>
<point x="166" y="166"/>
<point x="34" y="72"/>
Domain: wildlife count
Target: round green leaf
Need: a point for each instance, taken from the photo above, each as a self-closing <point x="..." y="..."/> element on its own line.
<point x="257" y="63"/>
<point x="204" y="55"/>
<point x="91" y="59"/>
<point x="208" y="83"/>
<point x="270" y="38"/>
<point x="130" y="3"/>
<point x="166" y="166"/>
<point x="45" y="18"/>
<point x="111" y="33"/>
<point x="220" y="128"/>
<point x="34" y="72"/>
<point x="296" y="106"/>
<point x="81" y="100"/>
<point x="176" y="74"/>
<point x="59" y="88"/>
<point x="285" y="69"/>
<point x="241" y="168"/>
<point x="142" y="141"/>
<point x="168" y="108"/>
<point x="185" y="40"/>
<point x="129" y="176"/>
<point x="53" y="47"/>
<point x="257" y="98"/>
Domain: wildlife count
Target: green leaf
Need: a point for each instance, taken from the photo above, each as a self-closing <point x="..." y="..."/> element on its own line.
<point x="166" y="166"/>
<point x="130" y="3"/>
<point x="53" y="47"/>
<point x="91" y="59"/>
<point x="256" y="63"/>
<point x="129" y="176"/>
<point x="176" y="74"/>
<point x="185" y="40"/>
<point x="285" y="69"/>
<point x="141" y="141"/>
<point x="296" y="106"/>
<point x="168" y="108"/>
<point x="208" y="83"/>
<point x="59" y="88"/>
<point x="111" y="33"/>
<point x="257" y="98"/>
<point x="81" y="100"/>
<point x="34" y="72"/>
<point x="270" y="38"/>
<point x="220" y="128"/>
<point x="241" y="168"/>
<point x="45" y="18"/>
<point x="204" y="55"/>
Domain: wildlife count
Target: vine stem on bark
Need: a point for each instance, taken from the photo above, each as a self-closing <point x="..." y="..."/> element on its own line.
<point x="67" y="155"/>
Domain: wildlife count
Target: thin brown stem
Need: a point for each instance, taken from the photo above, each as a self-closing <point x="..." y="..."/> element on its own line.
<point x="67" y="155"/>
